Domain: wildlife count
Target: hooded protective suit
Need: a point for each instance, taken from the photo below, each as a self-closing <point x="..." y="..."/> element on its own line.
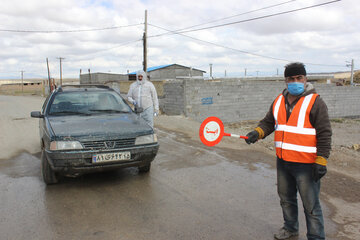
<point x="143" y="94"/>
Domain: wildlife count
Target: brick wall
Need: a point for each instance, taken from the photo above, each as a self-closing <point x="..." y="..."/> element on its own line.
<point x="237" y="100"/>
<point x="101" y="78"/>
<point x="158" y="84"/>
<point x="342" y="101"/>
<point x="173" y="93"/>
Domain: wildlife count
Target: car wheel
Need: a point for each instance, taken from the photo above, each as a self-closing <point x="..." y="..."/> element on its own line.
<point x="145" y="169"/>
<point x="49" y="176"/>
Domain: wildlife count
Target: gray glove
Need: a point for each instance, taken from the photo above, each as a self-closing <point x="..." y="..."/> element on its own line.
<point x="318" y="171"/>
<point x="253" y="136"/>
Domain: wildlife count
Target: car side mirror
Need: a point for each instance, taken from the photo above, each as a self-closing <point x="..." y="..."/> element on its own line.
<point x="36" y="114"/>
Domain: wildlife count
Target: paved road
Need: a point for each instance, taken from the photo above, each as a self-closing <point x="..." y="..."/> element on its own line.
<point x="191" y="192"/>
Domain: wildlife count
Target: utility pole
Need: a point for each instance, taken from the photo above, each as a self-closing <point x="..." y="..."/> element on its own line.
<point x="210" y="70"/>
<point x="89" y="76"/>
<point x="61" y="58"/>
<point x="47" y="63"/>
<point x="352" y="73"/>
<point x="245" y="72"/>
<point x="22" y="82"/>
<point x="145" y="44"/>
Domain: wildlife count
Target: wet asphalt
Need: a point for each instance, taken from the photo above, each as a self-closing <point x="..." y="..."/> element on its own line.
<point x="191" y="192"/>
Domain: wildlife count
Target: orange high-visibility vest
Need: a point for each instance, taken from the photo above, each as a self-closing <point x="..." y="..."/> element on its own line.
<point x="295" y="139"/>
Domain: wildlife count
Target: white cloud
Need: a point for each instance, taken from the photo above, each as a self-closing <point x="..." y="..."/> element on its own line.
<point x="327" y="35"/>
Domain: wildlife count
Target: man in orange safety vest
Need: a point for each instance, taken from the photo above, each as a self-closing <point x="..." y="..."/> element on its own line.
<point x="302" y="135"/>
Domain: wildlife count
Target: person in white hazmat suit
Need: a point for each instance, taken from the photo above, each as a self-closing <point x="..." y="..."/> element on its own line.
<point x="142" y="94"/>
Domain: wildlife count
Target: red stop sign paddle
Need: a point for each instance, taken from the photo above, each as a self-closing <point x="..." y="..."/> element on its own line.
<point x="212" y="130"/>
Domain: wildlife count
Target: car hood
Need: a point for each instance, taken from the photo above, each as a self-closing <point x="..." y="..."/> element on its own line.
<point x="109" y="126"/>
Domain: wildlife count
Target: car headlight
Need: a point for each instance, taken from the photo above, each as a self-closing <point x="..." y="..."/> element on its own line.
<point x="65" y="145"/>
<point x="152" y="138"/>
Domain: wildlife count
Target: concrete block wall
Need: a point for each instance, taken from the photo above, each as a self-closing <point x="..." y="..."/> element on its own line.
<point x="231" y="101"/>
<point x="342" y="101"/>
<point x="173" y="98"/>
<point x="125" y="85"/>
<point x="101" y="78"/>
<point x="238" y="100"/>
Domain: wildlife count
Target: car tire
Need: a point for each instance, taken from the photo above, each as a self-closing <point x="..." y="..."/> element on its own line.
<point x="49" y="176"/>
<point x="145" y="169"/>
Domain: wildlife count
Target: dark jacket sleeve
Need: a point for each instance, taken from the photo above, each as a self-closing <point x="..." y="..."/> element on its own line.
<point x="319" y="118"/>
<point x="267" y="124"/>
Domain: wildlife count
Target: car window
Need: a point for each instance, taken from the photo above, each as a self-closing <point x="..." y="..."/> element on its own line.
<point x="87" y="102"/>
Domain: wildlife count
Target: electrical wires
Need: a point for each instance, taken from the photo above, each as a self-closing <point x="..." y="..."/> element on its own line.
<point x="194" y="28"/>
<point x="224" y="18"/>
<point x="248" y="20"/>
<point x="181" y="31"/>
<point x="242" y="51"/>
<point x="68" y="31"/>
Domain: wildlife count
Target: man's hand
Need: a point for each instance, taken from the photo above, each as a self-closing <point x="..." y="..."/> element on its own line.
<point x="319" y="168"/>
<point x="253" y="136"/>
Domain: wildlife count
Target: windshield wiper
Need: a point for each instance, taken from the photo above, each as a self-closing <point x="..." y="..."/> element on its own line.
<point x="108" y="111"/>
<point x="70" y="113"/>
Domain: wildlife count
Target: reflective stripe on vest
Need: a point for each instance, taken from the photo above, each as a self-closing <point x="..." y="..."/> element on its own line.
<point x="295" y="138"/>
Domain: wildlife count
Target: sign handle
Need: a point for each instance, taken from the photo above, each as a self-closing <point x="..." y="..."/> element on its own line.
<point x="234" y="135"/>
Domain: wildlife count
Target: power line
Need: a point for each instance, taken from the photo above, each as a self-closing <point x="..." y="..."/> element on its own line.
<point x="132" y="55"/>
<point x="224" y="18"/>
<point x="107" y="49"/>
<point x="250" y="19"/>
<point x="245" y="52"/>
<point x="222" y="46"/>
<point x="68" y="31"/>
<point x="132" y="25"/>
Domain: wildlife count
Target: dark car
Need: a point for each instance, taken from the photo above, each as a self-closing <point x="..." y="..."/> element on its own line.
<point x="87" y="128"/>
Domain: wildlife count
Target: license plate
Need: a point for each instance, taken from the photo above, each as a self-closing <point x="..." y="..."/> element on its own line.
<point x="111" y="157"/>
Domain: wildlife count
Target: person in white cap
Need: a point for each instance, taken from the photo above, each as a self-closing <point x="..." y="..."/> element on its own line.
<point x="142" y="94"/>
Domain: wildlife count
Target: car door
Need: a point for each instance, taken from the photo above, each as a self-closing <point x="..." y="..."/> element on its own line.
<point x="43" y="129"/>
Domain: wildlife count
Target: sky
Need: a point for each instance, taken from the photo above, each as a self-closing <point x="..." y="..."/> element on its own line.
<point x="235" y="37"/>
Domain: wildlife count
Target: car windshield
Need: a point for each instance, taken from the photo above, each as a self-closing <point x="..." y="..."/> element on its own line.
<point x="87" y="103"/>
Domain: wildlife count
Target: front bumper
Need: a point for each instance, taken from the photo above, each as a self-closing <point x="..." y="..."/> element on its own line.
<point x="80" y="161"/>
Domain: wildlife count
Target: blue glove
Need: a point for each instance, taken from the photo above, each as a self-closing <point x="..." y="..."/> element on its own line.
<point x="156" y="113"/>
